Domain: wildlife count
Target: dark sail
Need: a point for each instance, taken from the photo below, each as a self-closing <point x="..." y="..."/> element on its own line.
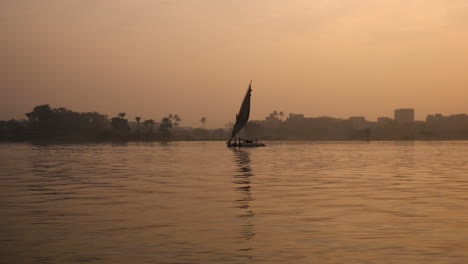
<point x="243" y="116"/>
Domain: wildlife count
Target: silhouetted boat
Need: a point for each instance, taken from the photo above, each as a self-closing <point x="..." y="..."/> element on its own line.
<point x="241" y="120"/>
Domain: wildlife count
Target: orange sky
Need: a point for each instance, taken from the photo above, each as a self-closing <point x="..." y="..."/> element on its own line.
<point x="195" y="58"/>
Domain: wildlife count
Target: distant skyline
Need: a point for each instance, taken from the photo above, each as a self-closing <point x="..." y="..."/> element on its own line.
<point x="149" y="58"/>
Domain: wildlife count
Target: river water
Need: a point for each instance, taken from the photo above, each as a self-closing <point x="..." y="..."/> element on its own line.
<point x="200" y="202"/>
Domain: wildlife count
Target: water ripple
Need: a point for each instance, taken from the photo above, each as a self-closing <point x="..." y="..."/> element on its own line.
<point x="199" y="202"/>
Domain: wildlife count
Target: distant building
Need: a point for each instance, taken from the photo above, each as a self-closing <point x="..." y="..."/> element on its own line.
<point x="430" y="118"/>
<point x="384" y="120"/>
<point x="295" y="116"/>
<point x="447" y="120"/>
<point x="447" y="127"/>
<point x="434" y="118"/>
<point x="404" y="115"/>
<point x="358" y="122"/>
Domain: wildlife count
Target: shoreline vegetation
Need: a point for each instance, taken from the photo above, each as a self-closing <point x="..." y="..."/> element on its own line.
<point x="61" y="125"/>
<point x="46" y="124"/>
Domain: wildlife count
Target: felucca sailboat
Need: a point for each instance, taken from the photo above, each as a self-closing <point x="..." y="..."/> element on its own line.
<point x="241" y="120"/>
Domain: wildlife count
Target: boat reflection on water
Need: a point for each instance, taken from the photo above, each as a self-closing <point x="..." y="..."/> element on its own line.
<point x="242" y="179"/>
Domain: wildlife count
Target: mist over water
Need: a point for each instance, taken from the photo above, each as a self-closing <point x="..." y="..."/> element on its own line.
<point x="200" y="202"/>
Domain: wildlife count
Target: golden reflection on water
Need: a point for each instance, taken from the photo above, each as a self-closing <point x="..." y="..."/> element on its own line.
<point x="243" y="180"/>
<point x="199" y="202"/>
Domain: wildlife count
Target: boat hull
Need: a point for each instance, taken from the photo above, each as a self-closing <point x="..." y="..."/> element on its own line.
<point x="244" y="145"/>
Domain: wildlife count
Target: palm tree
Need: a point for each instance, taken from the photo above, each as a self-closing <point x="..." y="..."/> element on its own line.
<point x="176" y="120"/>
<point x="122" y="115"/>
<point x="170" y="116"/>
<point x="166" y="122"/>
<point x="281" y="114"/>
<point x="150" y="123"/>
<point x="275" y="114"/>
<point x="164" y="128"/>
<point x="138" y="124"/>
<point x="203" y="121"/>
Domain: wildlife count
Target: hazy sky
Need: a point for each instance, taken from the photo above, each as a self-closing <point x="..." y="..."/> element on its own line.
<point x="195" y="58"/>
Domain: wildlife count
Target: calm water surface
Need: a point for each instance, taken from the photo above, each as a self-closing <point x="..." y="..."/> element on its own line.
<point x="200" y="202"/>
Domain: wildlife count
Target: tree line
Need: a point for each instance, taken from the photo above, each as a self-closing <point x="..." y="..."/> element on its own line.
<point x="62" y="124"/>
